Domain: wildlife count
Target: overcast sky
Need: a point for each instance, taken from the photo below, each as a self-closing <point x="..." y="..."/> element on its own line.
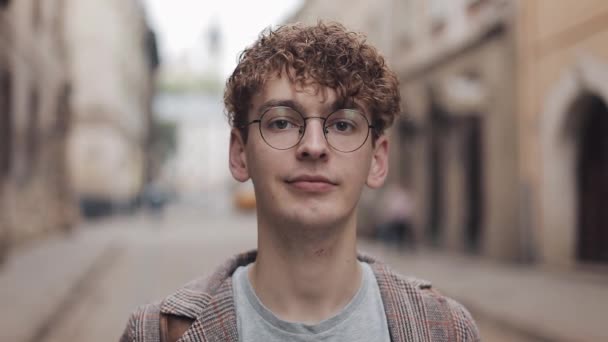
<point x="182" y="25"/>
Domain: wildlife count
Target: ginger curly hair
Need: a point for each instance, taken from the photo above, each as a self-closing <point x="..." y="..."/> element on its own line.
<point x="326" y="53"/>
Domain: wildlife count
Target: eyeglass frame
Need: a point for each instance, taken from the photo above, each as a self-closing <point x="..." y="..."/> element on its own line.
<point x="304" y="118"/>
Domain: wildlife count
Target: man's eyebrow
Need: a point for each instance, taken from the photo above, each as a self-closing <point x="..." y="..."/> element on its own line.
<point x="280" y="103"/>
<point x="329" y="108"/>
<point x="347" y="103"/>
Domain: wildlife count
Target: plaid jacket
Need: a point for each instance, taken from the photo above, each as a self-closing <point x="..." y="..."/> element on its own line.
<point x="414" y="311"/>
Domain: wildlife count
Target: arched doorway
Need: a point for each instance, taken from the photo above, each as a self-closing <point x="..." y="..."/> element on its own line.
<point x="592" y="180"/>
<point x="572" y="129"/>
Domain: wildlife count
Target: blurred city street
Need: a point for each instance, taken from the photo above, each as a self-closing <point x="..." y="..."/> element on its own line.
<point x="115" y="188"/>
<point x="88" y="282"/>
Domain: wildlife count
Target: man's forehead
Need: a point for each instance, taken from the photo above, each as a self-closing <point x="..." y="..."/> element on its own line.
<point x="281" y="88"/>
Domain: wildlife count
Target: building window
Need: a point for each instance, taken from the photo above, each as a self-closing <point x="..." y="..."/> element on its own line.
<point x="36" y="13"/>
<point x="475" y="6"/>
<point x="32" y="142"/>
<point x="5" y="122"/>
<point x="405" y="21"/>
<point x="56" y="19"/>
<point x="438" y="12"/>
<point x="63" y="110"/>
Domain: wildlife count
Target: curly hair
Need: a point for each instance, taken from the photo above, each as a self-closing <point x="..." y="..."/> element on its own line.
<point x="326" y="53"/>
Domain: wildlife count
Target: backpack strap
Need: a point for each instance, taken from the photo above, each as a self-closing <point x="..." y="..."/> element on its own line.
<point x="172" y="327"/>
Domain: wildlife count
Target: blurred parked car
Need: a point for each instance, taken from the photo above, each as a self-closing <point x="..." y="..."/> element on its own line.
<point x="244" y="196"/>
<point x="154" y="197"/>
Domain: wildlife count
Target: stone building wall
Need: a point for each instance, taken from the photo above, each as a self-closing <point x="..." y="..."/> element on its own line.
<point x="113" y="82"/>
<point x="374" y="21"/>
<point x="35" y="192"/>
<point x="563" y="56"/>
<point x="70" y="80"/>
<point x="459" y="95"/>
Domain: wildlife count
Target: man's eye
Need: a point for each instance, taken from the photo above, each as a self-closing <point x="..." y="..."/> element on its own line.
<point x="281" y="124"/>
<point x="341" y="126"/>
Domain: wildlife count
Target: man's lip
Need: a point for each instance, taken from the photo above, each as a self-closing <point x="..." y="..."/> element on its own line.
<point x="312" y="186"/>
<point x="310" y="179"/>
<point x="311" y="183"/>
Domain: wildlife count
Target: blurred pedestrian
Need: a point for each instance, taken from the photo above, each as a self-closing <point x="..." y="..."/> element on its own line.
<point x="154" y="199"/>
<point x="309" y="106"/>
<point x="395" y="218"/>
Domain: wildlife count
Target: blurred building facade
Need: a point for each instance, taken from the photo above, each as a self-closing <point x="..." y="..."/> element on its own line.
<point x="375" y="21"/>
<point x="503" y="136"/>
<point x="112" y="68"/>
<point x="75" y="103"/>
<point x="458" y="148"/>
<point x="563" y="92"/>
<point x="35" y="195"/>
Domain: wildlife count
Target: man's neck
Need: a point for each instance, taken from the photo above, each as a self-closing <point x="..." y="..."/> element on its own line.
<point x="307" y="279"/>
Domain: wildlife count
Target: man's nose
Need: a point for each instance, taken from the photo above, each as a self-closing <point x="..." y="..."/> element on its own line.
<point x="313" y="144"/>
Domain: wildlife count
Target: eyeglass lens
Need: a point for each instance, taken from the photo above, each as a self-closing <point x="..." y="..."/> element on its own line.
<point x="346" y="130"/>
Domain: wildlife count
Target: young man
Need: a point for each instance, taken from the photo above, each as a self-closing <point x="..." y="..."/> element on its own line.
<point x="309" y="106"/>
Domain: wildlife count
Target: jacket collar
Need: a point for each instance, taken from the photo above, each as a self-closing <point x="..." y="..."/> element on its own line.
<point x="209" y="301"/>
<point x="192" y="299"/>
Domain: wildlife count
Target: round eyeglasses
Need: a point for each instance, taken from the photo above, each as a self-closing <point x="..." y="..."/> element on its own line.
<point x="282" y="128"/>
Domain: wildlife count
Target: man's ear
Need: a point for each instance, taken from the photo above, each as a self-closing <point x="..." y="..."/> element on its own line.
<point x="237" y="159"/>
<point x="379" y="167"/>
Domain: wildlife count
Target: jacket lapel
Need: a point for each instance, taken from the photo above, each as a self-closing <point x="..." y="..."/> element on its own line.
<point x="403" y="304"/>
<point x="217" y="319"/>
<point x="210" y="302"/>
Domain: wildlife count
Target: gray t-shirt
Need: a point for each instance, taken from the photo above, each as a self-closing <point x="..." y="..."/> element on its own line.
<point x="362" y="319"/>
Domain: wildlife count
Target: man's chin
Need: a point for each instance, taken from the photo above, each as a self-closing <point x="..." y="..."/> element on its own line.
<point x="313" y="217"/>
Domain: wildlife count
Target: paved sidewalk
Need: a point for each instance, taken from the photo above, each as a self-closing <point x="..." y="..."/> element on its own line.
<point x="36" y="281"/>
<point x="551" y="306"/>
<point x="45" y="284"/>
